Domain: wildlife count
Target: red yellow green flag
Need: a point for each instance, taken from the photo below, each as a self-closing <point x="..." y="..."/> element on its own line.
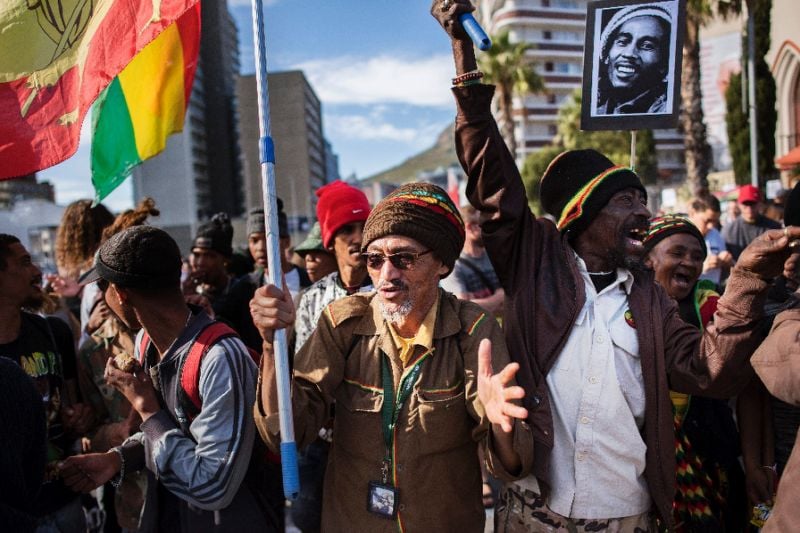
<point x="57" y="55"/>
<point x="134" y="115"/>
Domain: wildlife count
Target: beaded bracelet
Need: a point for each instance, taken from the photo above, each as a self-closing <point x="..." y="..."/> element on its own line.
<point x="469" y="82"/>
<point x="117" y="480"/>
<point x="467" y="76"/>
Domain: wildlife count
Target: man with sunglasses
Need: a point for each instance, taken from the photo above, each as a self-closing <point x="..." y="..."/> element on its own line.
<point x="599" y="343"/>
<point x="411" y="374"/>
<point x="341" y="211"/>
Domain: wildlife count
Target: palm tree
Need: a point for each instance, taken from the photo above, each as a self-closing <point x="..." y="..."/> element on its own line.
<point x="506" y="66"/>
<point x="692" y="122"/>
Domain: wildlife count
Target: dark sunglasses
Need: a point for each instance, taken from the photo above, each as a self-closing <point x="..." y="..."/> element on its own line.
<point x="400" y="260"/>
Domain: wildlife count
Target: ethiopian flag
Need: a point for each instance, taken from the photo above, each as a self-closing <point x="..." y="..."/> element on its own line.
<point x="56" y="56"/>
<point x="134" y="115"/>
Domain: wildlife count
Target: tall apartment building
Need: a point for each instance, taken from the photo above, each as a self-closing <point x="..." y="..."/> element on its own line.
<point x="199" y="173"/>
<point x="556" y="29"/>
<point x="331" y="163"/>
<point x="300" y="153"/>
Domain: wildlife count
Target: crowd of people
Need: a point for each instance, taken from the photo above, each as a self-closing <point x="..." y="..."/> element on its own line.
<point x="596" y="369"/>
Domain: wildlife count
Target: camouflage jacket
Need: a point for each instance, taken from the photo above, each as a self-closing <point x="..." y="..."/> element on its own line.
<point x="111" y="411"/>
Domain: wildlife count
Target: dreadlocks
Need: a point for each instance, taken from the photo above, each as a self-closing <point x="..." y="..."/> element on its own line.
<point x="132" y="217"/>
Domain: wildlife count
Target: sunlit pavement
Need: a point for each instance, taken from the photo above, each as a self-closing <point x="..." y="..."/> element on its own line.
<point x="489" y="528"/>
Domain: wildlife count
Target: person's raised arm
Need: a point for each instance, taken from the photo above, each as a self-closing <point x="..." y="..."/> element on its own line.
<point x="447" y="13"/>
<point x="494" y="184"/>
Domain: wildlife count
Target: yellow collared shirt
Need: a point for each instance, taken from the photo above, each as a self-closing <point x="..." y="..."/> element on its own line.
<point x="424" y="336"/>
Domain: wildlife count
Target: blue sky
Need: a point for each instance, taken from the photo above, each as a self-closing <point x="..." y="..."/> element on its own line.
<point x="381" y="69"/>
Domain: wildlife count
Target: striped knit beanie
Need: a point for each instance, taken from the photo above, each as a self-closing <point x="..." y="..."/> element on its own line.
<point x="423" y="212"/>
<point x="578" y="184"/>
<point x="664" y="226"/>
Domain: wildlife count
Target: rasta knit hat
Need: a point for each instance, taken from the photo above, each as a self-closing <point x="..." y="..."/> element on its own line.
<point x="658" y="11"/>
<point x="578" y="184"/>
<point x="423" y="212"/>
<point x="339" y="204"/>
<point x="255" y="221"/>
<point x="216" y="234"/>
<point x="667" y="225"/>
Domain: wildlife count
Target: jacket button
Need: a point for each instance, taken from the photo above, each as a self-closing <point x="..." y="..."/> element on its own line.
<point x="535" y="400"/>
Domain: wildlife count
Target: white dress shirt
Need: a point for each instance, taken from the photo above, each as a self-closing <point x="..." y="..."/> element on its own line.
<point x="598" y="459"/>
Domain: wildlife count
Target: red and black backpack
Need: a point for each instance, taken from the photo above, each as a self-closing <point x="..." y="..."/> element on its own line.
<point x="189" y="390"/>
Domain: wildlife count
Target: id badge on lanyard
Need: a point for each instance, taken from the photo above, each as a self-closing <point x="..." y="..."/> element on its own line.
<point x="382" y="496"/>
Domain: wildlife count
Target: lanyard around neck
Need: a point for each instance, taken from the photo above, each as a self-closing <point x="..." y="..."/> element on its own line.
<point x="392" y="405"/>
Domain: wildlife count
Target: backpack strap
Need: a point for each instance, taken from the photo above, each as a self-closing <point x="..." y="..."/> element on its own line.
<point x="144" y="344"/>
<point x="189" y="390"/>
<point x="190" y="369"/>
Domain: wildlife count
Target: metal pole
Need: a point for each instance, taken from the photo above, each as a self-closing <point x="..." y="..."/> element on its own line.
<point x="751" y="91"/>
<point x="633" y="150"/>
<point x="291" y="482"/>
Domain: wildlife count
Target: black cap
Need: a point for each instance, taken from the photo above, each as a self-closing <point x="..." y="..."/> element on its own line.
<point x="141" y="257"/>
<point x="216" y="234"/>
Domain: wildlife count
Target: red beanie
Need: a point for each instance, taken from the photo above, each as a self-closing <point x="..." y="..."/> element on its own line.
<point x="339" y="204"/>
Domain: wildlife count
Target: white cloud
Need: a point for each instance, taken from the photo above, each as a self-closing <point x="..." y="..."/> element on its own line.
<point x="371" y="128"/>
<point x="382" y="80"/>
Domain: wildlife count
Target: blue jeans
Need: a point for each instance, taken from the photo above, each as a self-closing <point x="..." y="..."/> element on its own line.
<point x="307" y="508"/>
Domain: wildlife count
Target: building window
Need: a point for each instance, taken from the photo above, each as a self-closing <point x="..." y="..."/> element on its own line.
<point x="552" y="129"/>
<point x="551" y="98"/>
<point x="548" y="67"/>
<point x="547" y="34"/>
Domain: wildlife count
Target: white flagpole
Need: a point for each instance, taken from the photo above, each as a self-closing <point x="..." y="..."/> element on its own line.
<point x="291" y="482"/>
